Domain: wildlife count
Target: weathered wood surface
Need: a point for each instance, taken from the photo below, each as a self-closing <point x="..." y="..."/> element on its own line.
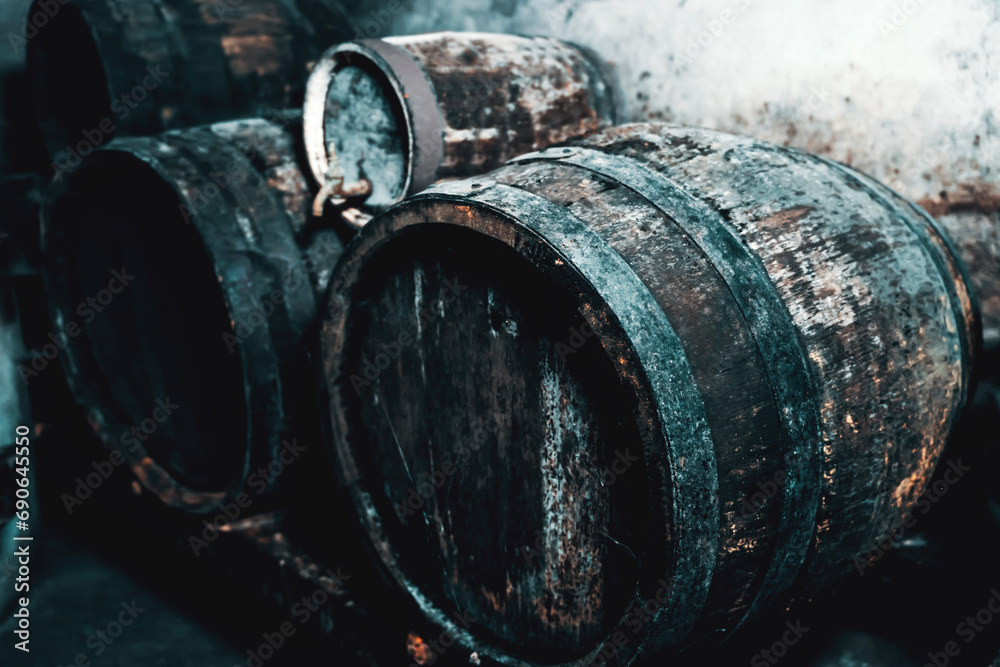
<point x="403" y="111"/>
<point x="209" y="228"/>
<point x="140" y="67"/>
<point x="661" y="366"/>
<point x="904" y="92"/>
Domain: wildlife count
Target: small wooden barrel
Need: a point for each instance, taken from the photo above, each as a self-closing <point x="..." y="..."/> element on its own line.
<point x="104" y="68"/>
<point x="613" y="397"/>
<point x="405" y="111"/>
<point x="182" y="295"/>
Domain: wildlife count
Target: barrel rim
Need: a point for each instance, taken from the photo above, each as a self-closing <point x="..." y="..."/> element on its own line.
<point x="258" y="386"/>
<point x="412" y="99"/>
<point x="499" y="222"/>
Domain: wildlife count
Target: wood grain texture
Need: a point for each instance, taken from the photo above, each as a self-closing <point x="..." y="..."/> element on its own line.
<point x="496" y="96"/>
<point x="145" y="66"/>
<point x="825" y="333"/>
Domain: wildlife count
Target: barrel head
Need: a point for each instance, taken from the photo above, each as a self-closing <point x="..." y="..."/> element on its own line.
<point x="487" y="440"/>
<point x="138" y="304"/>
<point x="363" y="124"/>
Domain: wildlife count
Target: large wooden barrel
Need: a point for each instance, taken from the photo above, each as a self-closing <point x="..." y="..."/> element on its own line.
<point x="613" y="397"/>
<point x="103" y="68"/>
<point x="404" y="111"/>
<point x="182" y="275"/>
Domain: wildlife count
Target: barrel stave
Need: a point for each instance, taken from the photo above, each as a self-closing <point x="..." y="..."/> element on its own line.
<point x="238" y="244"/>
<point x="829" y="334"/>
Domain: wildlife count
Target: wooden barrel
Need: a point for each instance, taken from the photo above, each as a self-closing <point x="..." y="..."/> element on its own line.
<point x="404" y="111"/>
<point x="103" y="68"/>
<point x="613" y="397"/>
<point x="181" y="294"/>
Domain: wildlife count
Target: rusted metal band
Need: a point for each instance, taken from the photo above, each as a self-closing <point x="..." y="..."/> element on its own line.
<point x="770" y="322"/>
<point x="426" y="127"/>
<point x="680" y="410"/>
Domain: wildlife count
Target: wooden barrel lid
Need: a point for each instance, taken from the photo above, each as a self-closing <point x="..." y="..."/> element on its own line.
<point x="477" y="358"/>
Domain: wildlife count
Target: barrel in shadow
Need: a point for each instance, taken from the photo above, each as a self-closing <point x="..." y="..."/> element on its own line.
<point x="615" y="397"/>
<point x="104" y="68"/>
<point x="403" y="111"/>
<point x="180" y="270"/>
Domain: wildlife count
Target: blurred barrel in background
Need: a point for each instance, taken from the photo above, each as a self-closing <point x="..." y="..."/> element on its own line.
<point x="405" y="111"/>
<point x="104" y="68"/>
<point x="182" y="271"/>
<point x="611" y="397"/>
